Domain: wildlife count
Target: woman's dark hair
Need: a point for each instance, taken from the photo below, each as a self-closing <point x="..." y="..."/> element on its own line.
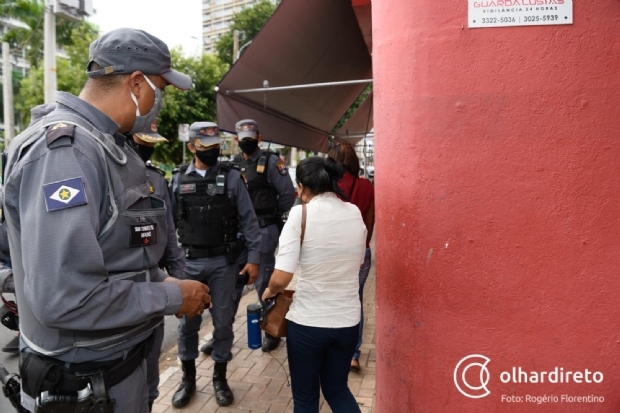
<point x="344" y="153"/>
<point x="320" y="175"/>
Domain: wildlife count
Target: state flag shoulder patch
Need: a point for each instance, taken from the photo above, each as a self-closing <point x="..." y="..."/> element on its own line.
<point x="64" y="194"/>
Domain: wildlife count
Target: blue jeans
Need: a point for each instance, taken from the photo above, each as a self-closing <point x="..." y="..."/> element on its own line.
<point x="320" y="358"/>
<point x="363" y="275"/>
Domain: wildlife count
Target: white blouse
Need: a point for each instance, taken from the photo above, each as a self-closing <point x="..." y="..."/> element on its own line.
<point x="326" y="293"/>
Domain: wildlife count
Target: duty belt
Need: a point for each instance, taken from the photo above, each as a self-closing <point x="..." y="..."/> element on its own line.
<point x="196" y="253"/>
<point x="76" y="376"/>
<point x="231" y="250"/>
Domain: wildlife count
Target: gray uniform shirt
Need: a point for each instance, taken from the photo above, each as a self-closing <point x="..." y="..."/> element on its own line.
<point x="62" y="276"/>
<point x="238" y="194"/>
<point x="174" y="257"/>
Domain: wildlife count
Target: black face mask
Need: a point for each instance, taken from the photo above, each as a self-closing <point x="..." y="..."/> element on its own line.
<point x="249" y="146"/>
<point x="144" y="151"/>
<point x="208" y="157"/>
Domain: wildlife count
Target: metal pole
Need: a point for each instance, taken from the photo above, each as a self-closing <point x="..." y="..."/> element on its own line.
<point x="235" y="45"/>
<point x="184" y="146"/>
<point x="294" y="157"/>
<point x="307" y="86"/>
<point x="365" y="159"/>
<point x="49" y="31"/>
<point x="24" y="61"/>
<point x="7" y="87"/>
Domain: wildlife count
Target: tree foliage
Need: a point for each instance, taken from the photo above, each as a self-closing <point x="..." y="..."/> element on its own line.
<point x="249" y="20"/>
<point x="194" y="105"/>
<point x="71" y="74"/>
<point x="31" y="13"/>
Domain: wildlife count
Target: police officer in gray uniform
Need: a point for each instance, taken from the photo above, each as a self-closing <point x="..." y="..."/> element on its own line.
<point x="12" y="346"/>
<point x="211" y="205"/>
<point x="88" y="285"/>
<point x="272" y="193"/>
<point x="174" y="256"/>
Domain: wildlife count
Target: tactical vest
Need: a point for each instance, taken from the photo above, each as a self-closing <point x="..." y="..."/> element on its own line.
<point x="264" y="196"/>
<point x="133" y="217"/>
<point x="206" y="215"/>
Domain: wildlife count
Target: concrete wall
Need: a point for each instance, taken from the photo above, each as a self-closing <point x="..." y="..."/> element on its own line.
<point x="498" y="203"/>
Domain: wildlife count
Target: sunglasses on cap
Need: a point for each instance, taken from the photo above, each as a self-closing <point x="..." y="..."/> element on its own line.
<point x="209" y="131"/>
<point x="244" y="127"/>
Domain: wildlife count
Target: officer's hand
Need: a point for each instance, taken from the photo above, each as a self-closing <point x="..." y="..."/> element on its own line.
<point x="251" y="270"/>
<point x="195" y="297"/>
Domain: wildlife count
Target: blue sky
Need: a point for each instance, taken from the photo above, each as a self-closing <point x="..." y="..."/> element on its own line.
<point x="173" y="21"/>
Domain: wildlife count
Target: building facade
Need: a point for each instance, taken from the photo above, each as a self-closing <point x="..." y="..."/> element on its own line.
<point x="217" y="16"/>
<point x="498" y="227"/>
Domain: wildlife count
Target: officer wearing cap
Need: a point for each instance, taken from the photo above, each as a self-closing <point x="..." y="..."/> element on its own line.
<point x="211" y="205"/>
<point x="9" y="287"/>
<point x="89" y="288"/>
<point x="174" y="256"/>
<point x="272" y="193"/>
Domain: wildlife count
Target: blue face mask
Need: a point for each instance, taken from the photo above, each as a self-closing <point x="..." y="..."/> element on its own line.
<point x="142" y="123"/>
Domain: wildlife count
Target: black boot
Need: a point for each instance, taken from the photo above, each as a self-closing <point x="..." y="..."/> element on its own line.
<point x="188" y="385"/>
<point x="207" y="348"/>
<point x="270" y="343"/>
<point x="223" y="394"/>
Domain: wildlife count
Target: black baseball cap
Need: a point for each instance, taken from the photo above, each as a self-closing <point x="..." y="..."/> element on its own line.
<point x="123" y="51"/>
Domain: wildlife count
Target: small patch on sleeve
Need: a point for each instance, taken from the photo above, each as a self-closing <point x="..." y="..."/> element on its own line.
<point x="64" y="194"/>
<point x="282" y="168"/>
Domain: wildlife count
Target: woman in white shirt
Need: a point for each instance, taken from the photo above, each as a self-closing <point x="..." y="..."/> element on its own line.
<point x="324" y="316"/>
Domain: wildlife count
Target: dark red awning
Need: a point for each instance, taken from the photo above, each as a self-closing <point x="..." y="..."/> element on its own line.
<point x="304" y="42"/>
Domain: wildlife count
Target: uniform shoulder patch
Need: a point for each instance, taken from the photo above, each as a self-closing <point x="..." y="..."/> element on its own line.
<point x="64" y="194"/>
<point x="180" y="168"/>
<point x="282" y="167"/>
<point x="155" y="168"/>
<point x="59" y="130"/>
<point x="227" y="166"/>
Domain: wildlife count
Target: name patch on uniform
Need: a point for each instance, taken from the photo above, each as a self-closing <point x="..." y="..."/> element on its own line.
<point x="187" y="188"/>
<point x="64" y="194"/>
<point x="282" y="167"/>
<point x="143" y="235"/>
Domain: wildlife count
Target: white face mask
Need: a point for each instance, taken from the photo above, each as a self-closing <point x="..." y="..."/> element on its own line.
<point x="143" y="122"/>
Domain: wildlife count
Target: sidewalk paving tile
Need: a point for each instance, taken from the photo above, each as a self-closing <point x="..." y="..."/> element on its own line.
<point x="260" y="381"/>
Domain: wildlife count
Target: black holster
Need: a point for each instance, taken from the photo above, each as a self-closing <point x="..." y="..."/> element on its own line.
<point x="82" y="387"/>
<point x="233" y="251"/>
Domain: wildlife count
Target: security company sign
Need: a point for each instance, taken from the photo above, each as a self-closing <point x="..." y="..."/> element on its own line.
<point x="502" y="13"/>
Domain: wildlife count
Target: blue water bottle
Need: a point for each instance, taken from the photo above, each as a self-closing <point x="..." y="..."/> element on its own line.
<point x="254" y="334"/>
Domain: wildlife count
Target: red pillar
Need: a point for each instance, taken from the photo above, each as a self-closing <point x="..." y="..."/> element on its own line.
<point x="498" y="206"/>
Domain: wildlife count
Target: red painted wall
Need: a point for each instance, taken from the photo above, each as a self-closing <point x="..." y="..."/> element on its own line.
<point x="498" y="203"/>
